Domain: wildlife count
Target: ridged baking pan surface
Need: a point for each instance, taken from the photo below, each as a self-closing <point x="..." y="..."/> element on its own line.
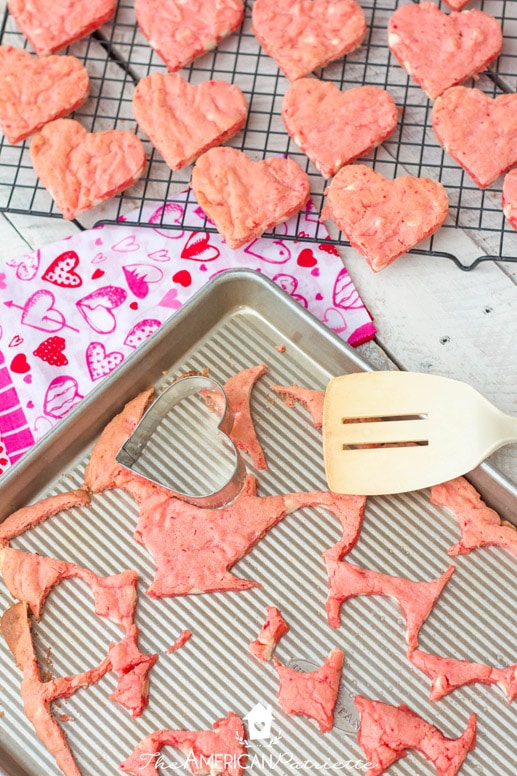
<point x="237" y="323"/>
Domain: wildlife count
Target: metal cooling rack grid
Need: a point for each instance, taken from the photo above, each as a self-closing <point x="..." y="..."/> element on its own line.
<point x="118" y="55"/>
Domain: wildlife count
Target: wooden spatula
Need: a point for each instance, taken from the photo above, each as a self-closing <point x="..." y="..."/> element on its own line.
<point x="391" y="432"/>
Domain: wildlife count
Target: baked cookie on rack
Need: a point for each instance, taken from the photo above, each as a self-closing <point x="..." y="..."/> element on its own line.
<point x="81" y="169"/>
<point x="35" y="91"/>
<point x="182" y="120"/>
<point x="384" y="219"/>
<point x="478" y="131"/>
<point x="50" y="26"/>
<point x="440" y="50"/>
<point x="245" y="198"/>
<point x="182" y="31"/>
<point x="303" y="35"/>
<point x="334" y="127"/>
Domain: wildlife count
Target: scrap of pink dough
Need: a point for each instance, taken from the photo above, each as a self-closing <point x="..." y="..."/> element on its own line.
<point x="271" y="632"/>
<point x="313" y="694"/>
<point x="194" y="548"/>
<point x="102" y="470"/>
<point x="30" y="577"/>
<point x="447" y="674"/>
<point x="238" y="395"/>
<point x="387" y="732"/>
<point x="132" y="668"/>
<point x="27" y="517"/>
<point x="480" y="525"/>
<point x="311" y="399"/>
<point x="38" y="695"/>
<point x="416" y="599"/>
<point x="180" y="641"/>
<point x="227" y="740"/>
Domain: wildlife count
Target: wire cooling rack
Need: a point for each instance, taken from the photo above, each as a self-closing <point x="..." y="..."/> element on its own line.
<point x="118" y="55"/>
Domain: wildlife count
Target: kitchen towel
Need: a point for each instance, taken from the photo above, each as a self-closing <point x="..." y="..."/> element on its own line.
<point x="72" y="311"/>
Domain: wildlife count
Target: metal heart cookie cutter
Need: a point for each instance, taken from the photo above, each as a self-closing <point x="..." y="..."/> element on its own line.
<point x="182" y="443"/>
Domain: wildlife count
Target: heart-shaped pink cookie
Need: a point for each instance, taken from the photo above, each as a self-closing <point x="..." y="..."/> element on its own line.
<point x="80" y="169"/>
<point x="51" y="25"/>
<point x="479" y="132"/>
<point x="181" y="120"/>
<point x="333" y="127"/>
<point x="36" y="91"/>
<point x="302" y="35"/>
<point x="383" y="219"/>
<point x="245" y="198"/>
<point x="181" y="31"/>
<point x="440" y="50"/>
<point x="509" y="197"/>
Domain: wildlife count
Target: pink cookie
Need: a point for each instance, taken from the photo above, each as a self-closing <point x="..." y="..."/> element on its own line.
<point x="82" y="169"/>
<point x="479" y="132"/>
<point x="36" y="91"/>
<point x="509" y="198"/>
<point x="182" y="121"/>
<point x="384" y="219"/>
<point x="51" y="25"/>
<point x="302" y="35"/>
<point x="181" y="31"/>
<point x="439" y="50"/>
<point x="245" y="198"/>
<point x="332" y="127"/>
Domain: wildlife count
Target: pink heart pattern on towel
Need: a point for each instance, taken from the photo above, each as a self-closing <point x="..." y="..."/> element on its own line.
<point x="100" y="363"/>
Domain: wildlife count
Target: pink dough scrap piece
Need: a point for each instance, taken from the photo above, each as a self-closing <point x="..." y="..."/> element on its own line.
<point x="194" y="548"/>
<point x="102" y="470"/>
<point x="222" y="750"/>
<point x="270" y="634"/>
<point x="38" y="695"/>
<point x="386" y="733"/>
<point x="27" y="517"/>
<point x="309" y="398"/>
<point x="416" y="599"/>
<point x="313" y="694"/>
<point x="447" y="674"/>
<point x="182" y="639"/>
<point x="480" y="525"/>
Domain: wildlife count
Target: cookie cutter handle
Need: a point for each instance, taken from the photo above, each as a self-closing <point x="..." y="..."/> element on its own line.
<point x="132" y="449"/>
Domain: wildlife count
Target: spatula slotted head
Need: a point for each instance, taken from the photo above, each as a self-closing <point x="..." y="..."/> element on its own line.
<point x="391" y="432"/>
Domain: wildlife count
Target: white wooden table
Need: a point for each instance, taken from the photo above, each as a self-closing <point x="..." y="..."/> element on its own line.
<point x="430" y="316"/>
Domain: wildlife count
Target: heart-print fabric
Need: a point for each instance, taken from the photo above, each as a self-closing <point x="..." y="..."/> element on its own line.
<point x="509" y="197"/>
<point x="479" y="132"/>
<point x="440" y="50"/>
<point x="245" y="198"/>
<point x="36" y="91"/>
<point x="302" y="35"/>
<point x="383" y="219"/>
<point x="51" y="25"/>
<point x="80" y="169"/>
<point x="333" y="127"/>
<point x="182" y="31"/>
<point x="183" y="121"/>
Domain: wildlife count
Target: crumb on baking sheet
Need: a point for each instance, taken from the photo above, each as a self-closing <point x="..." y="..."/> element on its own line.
<point x="280" y="348"/>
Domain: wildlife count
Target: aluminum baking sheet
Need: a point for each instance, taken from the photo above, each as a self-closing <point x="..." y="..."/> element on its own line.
<point x="239" y="320"/>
